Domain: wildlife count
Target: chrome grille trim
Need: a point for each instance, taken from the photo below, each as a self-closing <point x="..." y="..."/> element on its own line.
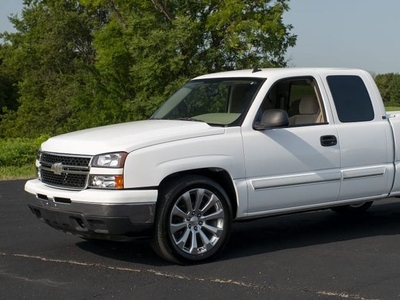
<point x="72" y="172"/>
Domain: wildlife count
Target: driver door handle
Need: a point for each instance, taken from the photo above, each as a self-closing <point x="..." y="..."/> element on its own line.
<point x="328" y="140"/>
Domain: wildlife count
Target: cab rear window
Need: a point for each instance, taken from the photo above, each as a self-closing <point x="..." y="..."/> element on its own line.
<point x="351" y="97"/>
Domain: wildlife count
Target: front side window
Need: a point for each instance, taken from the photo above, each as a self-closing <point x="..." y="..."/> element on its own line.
<point x="214" y="101"/>
<point x="299" y="97"/>
<point x="351" y="97"/>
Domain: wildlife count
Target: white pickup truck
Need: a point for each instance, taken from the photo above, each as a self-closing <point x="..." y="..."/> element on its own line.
<point x="226" y="147"/>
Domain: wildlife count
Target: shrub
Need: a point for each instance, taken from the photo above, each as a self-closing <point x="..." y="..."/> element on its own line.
<point x="18" y="152"/>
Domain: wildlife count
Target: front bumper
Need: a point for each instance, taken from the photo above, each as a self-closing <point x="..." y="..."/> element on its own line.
<point x="94" y="214"/>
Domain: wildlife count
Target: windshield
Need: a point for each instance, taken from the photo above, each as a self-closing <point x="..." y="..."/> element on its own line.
<point x="214" y="101"/>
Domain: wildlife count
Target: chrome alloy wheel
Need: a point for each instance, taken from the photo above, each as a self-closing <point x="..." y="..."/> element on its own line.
<point x="196" y="221"/>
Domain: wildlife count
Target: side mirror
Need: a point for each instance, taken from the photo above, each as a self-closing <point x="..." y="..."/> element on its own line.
<point x="272" y="118"/>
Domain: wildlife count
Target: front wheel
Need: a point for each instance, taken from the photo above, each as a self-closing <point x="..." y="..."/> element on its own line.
<point x="193" y="220"/>
<point x="353" y="208"/>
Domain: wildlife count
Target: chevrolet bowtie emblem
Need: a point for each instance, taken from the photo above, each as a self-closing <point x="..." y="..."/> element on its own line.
<point x="57" y="168"/>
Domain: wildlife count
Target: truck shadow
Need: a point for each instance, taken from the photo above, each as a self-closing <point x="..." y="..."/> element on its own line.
<point x="274" y="234"/>
<point x="312" y="228"/>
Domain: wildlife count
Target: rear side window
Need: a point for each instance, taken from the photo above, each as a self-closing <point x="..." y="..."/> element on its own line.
<point x="351" y="98"/>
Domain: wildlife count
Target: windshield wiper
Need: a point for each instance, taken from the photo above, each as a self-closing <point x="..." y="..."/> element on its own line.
<point x="190" y="119"/>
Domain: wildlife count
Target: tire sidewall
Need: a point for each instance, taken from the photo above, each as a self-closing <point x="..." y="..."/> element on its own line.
<point x="350" y="209"/>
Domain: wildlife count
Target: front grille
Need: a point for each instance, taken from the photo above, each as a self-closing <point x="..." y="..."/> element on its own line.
<point x="65" y="171"/>
<point x="65" y="160"/>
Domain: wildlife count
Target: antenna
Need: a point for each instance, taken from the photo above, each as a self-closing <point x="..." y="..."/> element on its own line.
<point x="256" y="69"/>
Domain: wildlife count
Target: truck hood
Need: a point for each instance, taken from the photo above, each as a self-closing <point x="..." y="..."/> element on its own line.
<point x="127" y="136"/>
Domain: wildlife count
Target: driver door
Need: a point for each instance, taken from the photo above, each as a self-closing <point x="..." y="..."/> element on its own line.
<point x="297" y="166"/>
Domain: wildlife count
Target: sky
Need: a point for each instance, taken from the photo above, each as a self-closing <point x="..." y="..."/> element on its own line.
<point x="330" y="33"/>
<point x="346" y="33"/>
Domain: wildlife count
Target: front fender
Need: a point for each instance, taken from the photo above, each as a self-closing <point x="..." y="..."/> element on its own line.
<point x="147" y="167"/>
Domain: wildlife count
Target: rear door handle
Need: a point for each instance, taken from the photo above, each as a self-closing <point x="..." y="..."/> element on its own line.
<point x="328" y="140"/>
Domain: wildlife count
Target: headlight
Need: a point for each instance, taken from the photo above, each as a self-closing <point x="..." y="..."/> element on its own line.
<point x="109" y="160"/>
<point x="108" y="179"/>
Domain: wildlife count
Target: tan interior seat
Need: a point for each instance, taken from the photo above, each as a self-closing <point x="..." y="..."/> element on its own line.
<point x="309" y="111"/>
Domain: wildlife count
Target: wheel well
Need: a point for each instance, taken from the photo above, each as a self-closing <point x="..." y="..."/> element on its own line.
<point x="220" y="176"/>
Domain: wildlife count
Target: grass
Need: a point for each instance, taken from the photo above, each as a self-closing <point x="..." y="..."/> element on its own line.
<point x="392" y="108"/>
<point x="12" y="172"/>
<point x="17" y="157"/>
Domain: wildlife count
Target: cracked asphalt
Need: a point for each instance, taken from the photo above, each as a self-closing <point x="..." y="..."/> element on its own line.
<point x="315" y="255"/>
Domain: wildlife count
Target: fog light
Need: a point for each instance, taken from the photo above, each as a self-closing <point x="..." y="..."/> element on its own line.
<point x="107" y="181"/>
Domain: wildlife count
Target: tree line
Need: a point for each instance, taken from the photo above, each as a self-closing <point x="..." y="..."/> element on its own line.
<point x="389" y="87"/>
<point x="73" y="64"/>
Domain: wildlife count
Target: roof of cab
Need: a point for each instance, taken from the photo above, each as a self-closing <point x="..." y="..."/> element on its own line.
<point x="268" y="72"/>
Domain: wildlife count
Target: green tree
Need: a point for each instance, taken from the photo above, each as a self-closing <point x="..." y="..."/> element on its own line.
<point x="8" y="94"/>
<point x="383" y="83"/>
<point x="389" y="88"/>
<point x="395" y="89"/>
<point x="83" y="63"/>
<point x="51" y="53"/>
<point x="8" y="87"/>
<point x="149" y="48"/>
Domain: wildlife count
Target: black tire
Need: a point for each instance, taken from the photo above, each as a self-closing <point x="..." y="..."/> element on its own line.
<point x="353" y="208"/>
<point x="193" y="220"/>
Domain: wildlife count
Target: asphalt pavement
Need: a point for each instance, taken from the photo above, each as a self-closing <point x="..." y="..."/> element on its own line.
<point x="315" y="255"/>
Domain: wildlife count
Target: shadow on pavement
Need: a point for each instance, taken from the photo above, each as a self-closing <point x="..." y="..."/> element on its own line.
<point x="312" y="228"/>
<point x="274" y="234"/>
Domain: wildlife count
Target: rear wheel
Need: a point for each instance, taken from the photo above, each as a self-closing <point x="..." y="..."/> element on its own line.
<point x="353" y="208"/>
<point x="193" y="220"/>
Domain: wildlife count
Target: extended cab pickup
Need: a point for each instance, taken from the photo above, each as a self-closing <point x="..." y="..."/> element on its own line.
<point x="225" y="147"/>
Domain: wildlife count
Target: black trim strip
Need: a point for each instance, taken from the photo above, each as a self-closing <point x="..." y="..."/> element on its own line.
<point x="363" y="176"/>
<point x="295" y="184"/>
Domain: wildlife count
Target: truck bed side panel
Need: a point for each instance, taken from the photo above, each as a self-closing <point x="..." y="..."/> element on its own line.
<point x="394" y="120"/>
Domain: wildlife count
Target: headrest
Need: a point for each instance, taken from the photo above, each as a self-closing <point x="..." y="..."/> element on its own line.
<point x="308" y="105"/>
